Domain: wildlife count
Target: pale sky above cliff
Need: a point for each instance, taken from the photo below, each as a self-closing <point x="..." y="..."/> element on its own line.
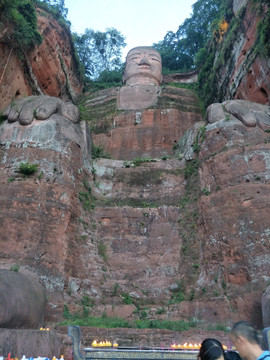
<point x="142" y="22"/>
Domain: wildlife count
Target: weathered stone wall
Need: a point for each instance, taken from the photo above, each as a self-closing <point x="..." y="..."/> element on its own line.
<point x="183" y="239"/>
<point x="233" y="225"/>
<point x="50" y="68"/>
<point x="31" y="343"/>
<point x="245" y="74"/>
<point x="150" y="133"/>
<point x="39" y="213"/>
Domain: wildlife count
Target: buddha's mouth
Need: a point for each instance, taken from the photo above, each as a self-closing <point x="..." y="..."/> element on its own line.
<point x="144" y="66"/>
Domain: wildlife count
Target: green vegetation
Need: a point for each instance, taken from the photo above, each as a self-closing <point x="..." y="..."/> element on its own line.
<point x="224" y="36"/>
<point x="176" y="298"/>
<point x="178" y="295"/>
<point x="27" y="168"/>
<point x="224" y="285"/>
<point x="194" y="87"/>
<point x="127" y="299"/>
<point x="102" y="250"/>
<point x="56" y="8"/>
<point x="191" y="168"/>
<point x="11" y="179"/>
<point x="86" y="301"/>
<point x="2" y="119"/>
<point x="15" y="268"/>
<point x="116" y="287"/>
<point x="100" y="55"/>
<point x="178" y="49"/>
<point x="200" y="137"/>
<point x="40" y="175"/>
<point x="188" y="223"/>
<point x="160" y="311"/>
<point x="139" y="161"/>
<point x="21" y="14"/>
<point x="99" y="152"/>
<point x="113" y="322"/>
<point x="217" y="327"/>
<point x="107" y="79"/>
<point x="165" y="157"/>
<point x="206" y="191"/>
<point x="263" y="31"/>
<point x="86" y="198"/>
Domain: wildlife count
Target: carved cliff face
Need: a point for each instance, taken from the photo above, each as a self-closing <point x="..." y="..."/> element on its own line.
<point x="143" y="65"/>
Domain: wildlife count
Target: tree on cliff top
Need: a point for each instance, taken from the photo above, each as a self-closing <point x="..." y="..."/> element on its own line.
<point x="56" y="8"/>
<point x="178" y="49"/>
<point x="100" y="51"/>
<point x="21" y="14"/>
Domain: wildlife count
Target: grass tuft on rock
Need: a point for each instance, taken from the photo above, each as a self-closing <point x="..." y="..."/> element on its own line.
<point x="27" y="168"/>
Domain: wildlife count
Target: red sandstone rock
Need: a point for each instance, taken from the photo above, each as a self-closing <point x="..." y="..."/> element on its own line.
<point x="52" y="66"/>
<point x="54" y="77"/>
<point x="157" y="131"/>
<point x="236" y="80"/>
<point x="138" y="96"/>
<point x="137" y="235"/>
<point x="30" y="343"/>
<point x="22" y="301"/>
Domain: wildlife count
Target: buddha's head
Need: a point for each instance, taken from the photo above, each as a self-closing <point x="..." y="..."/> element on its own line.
<point x="143" y="65"/>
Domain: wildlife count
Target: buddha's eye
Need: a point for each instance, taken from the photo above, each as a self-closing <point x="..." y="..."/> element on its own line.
<point x="134" y="58"/>
<point x="154" y="59"/>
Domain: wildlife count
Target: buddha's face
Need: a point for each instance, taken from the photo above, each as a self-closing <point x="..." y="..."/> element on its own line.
<point x="143" y="65"/>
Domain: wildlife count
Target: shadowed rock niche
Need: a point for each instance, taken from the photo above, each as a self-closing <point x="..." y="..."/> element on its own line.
<point x="142" y="78"/>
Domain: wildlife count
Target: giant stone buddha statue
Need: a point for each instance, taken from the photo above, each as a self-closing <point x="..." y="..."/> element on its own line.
<point x="142" y="77"/>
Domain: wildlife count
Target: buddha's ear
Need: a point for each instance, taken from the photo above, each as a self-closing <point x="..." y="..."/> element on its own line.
<point x="124" y="78"/>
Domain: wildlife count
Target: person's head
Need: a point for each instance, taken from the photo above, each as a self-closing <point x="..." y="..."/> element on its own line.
<point x="232" y="355"/>
<point x="211" y="349"/>
<point x="244" y="337"/>
<point x="143" y="65"/>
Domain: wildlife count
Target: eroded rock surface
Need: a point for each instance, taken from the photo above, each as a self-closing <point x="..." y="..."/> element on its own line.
<point x="245" y="74"/>
<point x="49" y="69"/>
<point x="20" y="342"/>
<point x="159" y="128"/>
<point x="22" y="301"/>
<point x="185" y="236"/>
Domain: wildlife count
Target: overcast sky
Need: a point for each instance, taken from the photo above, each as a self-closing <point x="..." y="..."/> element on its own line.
<point x="142" y="22"/>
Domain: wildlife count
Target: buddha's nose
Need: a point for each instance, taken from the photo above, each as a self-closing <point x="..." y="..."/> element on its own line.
<point x="144" y="61"/>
